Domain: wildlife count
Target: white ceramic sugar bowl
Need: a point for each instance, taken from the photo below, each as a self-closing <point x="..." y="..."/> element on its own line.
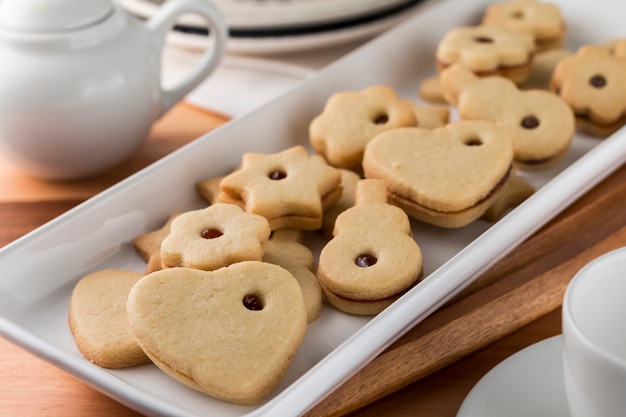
<point x="80" y="81"/>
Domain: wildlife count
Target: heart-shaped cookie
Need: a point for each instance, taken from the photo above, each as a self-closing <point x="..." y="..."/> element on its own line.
<point x="230" y="333"/>
<point x="542" y="124"/>
<point x="446" y="176"/>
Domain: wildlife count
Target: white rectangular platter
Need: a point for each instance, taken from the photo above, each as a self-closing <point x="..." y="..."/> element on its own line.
<point x="40" y="270"/>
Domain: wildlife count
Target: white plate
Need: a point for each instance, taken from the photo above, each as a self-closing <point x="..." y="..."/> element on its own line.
<point x="273" y="14"/>
<point x="257" y="26"/>
<point x="529" y="383"/>
<point x="40" y="270"/>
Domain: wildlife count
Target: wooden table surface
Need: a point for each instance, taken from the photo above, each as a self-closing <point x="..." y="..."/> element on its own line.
<point x="31" y="387"/>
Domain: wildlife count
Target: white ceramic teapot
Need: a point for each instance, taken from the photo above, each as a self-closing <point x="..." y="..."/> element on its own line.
<point x="80" y="81"/>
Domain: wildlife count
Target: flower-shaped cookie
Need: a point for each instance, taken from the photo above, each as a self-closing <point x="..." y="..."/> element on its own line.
<point x="488" y="50"/>
<point x="214" y="237"/>
<point x="350" y="119"/>
<point x="593" y="83"/>
<point x="290" y="188"/>
<point x="543" y="21"/>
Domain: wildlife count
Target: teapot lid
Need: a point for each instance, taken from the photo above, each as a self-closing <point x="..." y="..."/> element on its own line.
<point x="52" y="15"/>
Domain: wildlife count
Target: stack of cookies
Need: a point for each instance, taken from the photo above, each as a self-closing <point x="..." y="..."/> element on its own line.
<point x="522" y="40"/>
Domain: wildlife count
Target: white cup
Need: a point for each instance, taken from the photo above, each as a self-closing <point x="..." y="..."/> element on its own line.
<point x="594" y="338"/>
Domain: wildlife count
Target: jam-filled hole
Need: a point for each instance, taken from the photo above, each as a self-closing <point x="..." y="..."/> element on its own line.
<point x="277" y="174"/>
<point x="252" y="302"/>
<point x="364" y="260"/>
<point x="210" y="233"/>
<point x="381" y="119"/>
<point x="529" y="122"/>
<point x="483" y="39"/>
<point x="473" y="142"/>
<point x="597" y="81"/>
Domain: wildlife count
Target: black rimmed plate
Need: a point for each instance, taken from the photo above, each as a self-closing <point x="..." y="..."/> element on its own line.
<point x="274" y="26"/>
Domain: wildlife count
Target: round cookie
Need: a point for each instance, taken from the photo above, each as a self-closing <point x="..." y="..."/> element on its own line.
<point x="429" y="117"/>
<point x="430" y="90"/>
<point x="349" y="180"/>
<point x="618" y="47"/>
<point x="447" y="176"/>
<point x="593" y="83"/>
<point x="350" y="119"/>
<point x="372" y="258"/>
<point x="285" y="249"/>
<point x="230" y="333"/>
<point x="543" y="68"/>
<point x="487" y="50"/>
<point x="540" y="123"/>
<point x="542" y="20"/>
<point x="214" y="237"/>
<point x="97" y="319"/>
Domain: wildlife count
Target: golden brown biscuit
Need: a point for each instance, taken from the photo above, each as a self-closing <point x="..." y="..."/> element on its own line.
<point x="514" y="194"/>
<point x="543" y="67"/>
<point x="285" y="249"/>
<point x="447" y="176"/>
<point x="618" y="48"/>
<point x="488" y="50"/>
<point x="148" y="245"/>
<point x="542" y="20"/>
<point x="372" y="258"/>
<point x="540" y="123"/>
<point x="290" y="189"/>
<point x="429" y="117"/>
<point x="98" y="322"/>
<point x="593" y="83"/>
<point x="214" y="237"/>
<point x="430" y="90"/>
<point x="350" y="119"/>
<point x="230" y="333"/>
<point x="349" y="179"/>
<point x="209" y="189"/>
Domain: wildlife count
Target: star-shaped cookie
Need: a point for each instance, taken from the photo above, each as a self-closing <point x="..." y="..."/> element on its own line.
<point x="290" y="188"/>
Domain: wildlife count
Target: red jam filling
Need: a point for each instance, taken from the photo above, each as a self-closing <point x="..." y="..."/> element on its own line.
<point x="530" y="122"/>
<point x="277" y="175"/>
<point x="365" y="260"/>
<point x="211" y="233"/>
<point x="252" y="302"/>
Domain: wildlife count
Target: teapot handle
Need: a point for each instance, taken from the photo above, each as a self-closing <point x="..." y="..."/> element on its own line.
<point x="161" y="23"/>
